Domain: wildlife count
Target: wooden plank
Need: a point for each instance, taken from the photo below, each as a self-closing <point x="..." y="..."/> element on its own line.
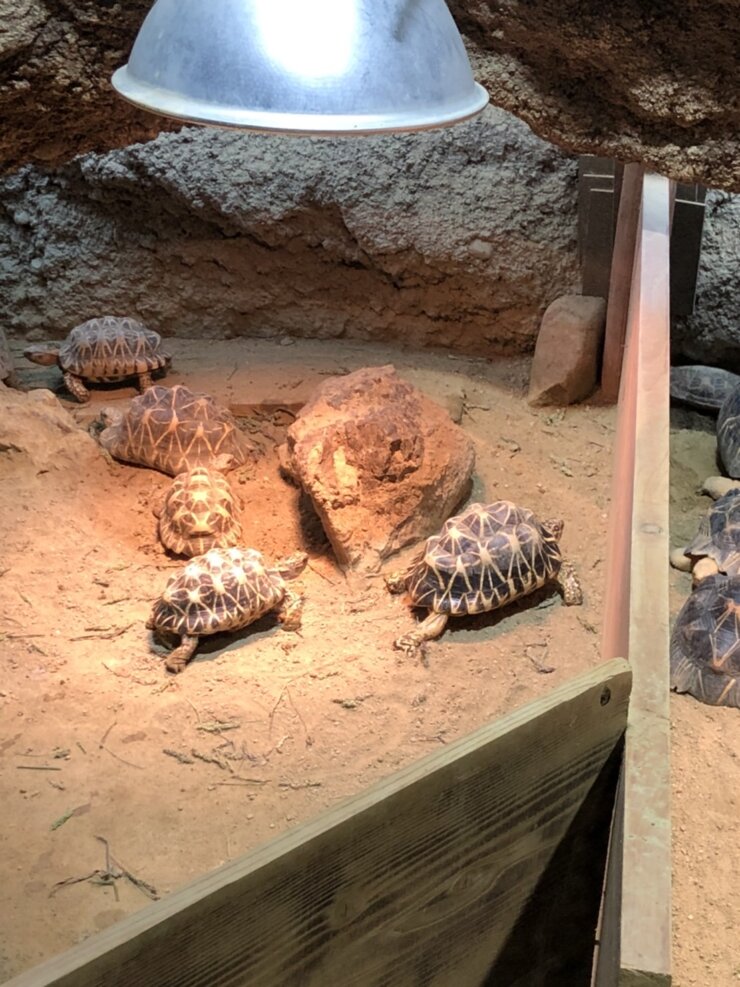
<point x="641" y="904"/>
<point x="620" y="278"/>
<point x="425" y="878"/>
<point x="687" y="231"/>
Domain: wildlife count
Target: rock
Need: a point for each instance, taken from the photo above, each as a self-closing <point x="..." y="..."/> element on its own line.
<point x="566" y="358"/>
<point x="383" y="464"/>
<point x="614" y="79"/>
<point x="210" y="233"/>
<point x="36" y="430"/>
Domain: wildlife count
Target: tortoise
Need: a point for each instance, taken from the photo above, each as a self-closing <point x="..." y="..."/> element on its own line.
<point x="728" y="433"/>
<point x="7" y="371"/>
<point x="713" y="389"/>
<point x="198" y="513"/>
<point x="481" y="560"/>
<point x="716" y="547"/>
<point x="224" y="590"/>
<point x="705" y="643"/>
<point x="174" y="430"/>
<point x="110" y="348"/>
<point x="704" y="388"/>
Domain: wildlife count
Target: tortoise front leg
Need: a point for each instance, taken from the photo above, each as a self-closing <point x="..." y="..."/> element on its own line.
<point x="290" y="613"/>
<point x="75" y="387"/>
<point x="413" y="642"/>
<point x="569" y="584"/>
<point x="178" y="659"/>
<point x="145" y="380"/>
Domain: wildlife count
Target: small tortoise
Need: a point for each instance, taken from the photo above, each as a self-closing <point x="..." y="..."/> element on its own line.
<point x="705" y="643"/>
<point x="483" y="559"/>
<point x="7" y="371"/>
<point x="224" y="590"/>
<point x="704" y="388"/>
<point x="716" y="547"/>
<point x="105" y="349"/>
<point x="198" y="513"/>
<point x="174" y="430"/>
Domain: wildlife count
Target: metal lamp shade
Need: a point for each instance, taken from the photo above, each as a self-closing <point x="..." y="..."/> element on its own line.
<point x="303" y="66"/>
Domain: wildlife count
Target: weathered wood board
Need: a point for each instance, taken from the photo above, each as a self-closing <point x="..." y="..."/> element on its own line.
<point x="454" y="872"/>
<point x="637" y="912"/>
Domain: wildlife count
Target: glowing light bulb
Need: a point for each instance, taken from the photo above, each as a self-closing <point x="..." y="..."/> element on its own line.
<point x="311" y="40"/>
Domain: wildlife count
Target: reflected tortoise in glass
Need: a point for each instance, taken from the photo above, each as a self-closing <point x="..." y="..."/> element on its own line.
<point x="705" y="643"/>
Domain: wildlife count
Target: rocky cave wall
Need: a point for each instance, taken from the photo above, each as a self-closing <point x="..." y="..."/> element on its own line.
<point x="656" y="82"/>
<point x="454" y="238"/>
<point x="457" y="237"/>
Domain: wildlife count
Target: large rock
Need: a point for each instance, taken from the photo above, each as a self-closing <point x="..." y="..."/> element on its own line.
<point x="432" y="237"/>
<point x="651" y="82"/>
<point x="383" y="464"/>
<point x="566" y="358"/>
<point x="36" y="431"/>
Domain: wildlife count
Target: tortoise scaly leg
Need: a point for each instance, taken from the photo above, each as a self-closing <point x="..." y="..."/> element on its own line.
<point x="569" y="584"/>
<point x="413" y="642"/>
<point x="703" y="568"/>
<point x="145" y="380"/>
<point x="177" y="660"/>
<point x="718" y="486"/>
<point x="680" y="560"/>
<point x="291" y="611"/>
<point x="76" y="388"/>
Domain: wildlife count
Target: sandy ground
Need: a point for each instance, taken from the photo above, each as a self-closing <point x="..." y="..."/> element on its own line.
<point x="265" y="728"/>
<point x="705" y="766"/>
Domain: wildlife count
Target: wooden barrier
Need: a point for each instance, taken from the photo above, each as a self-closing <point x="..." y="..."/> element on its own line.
<point x="479" y="865"/>
<point x="636" y="927"/>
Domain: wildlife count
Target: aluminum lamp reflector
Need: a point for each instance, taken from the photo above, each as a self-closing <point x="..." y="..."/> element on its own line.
<point x="303" y="66"/>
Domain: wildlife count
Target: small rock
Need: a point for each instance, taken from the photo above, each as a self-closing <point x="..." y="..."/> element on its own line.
<point x="481" y="249"/>
<point x="35" y="428"/>
<point x="566" y="357"/>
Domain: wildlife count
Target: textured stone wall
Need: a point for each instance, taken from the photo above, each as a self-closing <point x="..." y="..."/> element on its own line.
<point x="458" y="237"/>
<point x="712" y="334"/>
<point x="650" y="81"/>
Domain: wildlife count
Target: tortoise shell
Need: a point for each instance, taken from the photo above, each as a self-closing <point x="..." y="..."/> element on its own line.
<point x="705" y="643"/>
<point x="112" y="348"/>
<point x="728" y="433"/>
<point x="702" y="387"/>
<point x="223" y="590"/>
<point x="718" y="537"/>
<point x="174" y="430"/>
<point x="484" y="558"/>
<point x="199" y="513"/>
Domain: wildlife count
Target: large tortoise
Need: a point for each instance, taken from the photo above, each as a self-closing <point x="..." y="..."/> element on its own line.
<point x="198" y="513"/>
<point x="705" y="643"/>
<point x="481" y="560"/>
<point x="716" y="546"/>
<point x="700" y="387"/>
<point x="110" y="348"/>
<point x="174" y="430"/>
<point x="224" y="590"/>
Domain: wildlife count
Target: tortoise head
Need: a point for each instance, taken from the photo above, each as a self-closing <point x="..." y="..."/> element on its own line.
<point x="46" y="354"/>
<point x="554" y="527"/>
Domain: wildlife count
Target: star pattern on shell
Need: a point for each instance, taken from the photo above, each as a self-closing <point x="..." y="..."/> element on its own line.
<point x="199" y="513"/>
<point x="174" y="430"/>
<point x="705" y="643"/>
